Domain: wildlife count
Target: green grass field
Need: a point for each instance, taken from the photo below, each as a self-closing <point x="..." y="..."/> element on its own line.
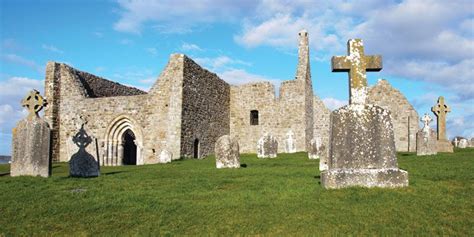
<point x="268" y="197"/>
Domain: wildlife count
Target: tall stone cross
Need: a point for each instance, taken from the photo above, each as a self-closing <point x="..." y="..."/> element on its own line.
<point x="356" y="63"/>
<point x="441" y="110"/>
<point x="34" y="103"/>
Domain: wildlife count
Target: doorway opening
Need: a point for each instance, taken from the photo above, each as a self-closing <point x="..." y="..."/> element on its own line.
<point x="196" y="149"/>
<point x="129" y="148"/>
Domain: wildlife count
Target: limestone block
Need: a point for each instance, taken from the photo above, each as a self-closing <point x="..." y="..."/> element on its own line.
<point x="426" y="142"/>
<point x="165" y="157"/>
<point x="267" y="147"/>
<point x="463" y="143"/>
<point x="362" y="149"/>
<point x="227" y="152"/>
<point x="31" y="148"/>
<point x="290" y="142"/>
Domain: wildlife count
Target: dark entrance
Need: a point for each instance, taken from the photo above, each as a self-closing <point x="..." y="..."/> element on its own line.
<point x="129" y="148"/>
<point x="196" y="148"/>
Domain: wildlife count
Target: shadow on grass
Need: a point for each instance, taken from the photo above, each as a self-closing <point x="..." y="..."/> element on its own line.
<point x="4" y="174"/>
<point x="243" y="166"/>
<point x="114" y="172"/>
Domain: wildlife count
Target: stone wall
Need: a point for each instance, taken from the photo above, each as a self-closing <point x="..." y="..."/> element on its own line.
<point x="322" y="121"/>
<point x="404" y="116"/>
<point x="205" y="110"/>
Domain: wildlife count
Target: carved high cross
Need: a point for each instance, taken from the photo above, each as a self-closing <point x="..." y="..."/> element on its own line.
<point x="34" y="103"/>
<point x="356" y="63"/>
<point x="441" y="110"/>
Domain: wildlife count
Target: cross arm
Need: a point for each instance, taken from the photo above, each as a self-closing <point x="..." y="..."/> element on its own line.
<point x="373" y="63"/>
<point x="340" y="64"/>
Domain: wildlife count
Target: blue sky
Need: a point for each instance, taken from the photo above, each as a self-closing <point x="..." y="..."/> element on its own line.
<point x="427" y="45"/>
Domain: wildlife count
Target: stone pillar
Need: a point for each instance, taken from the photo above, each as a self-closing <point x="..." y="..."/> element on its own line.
<point x="441" y="110"/>
<point x="119" y="153"/>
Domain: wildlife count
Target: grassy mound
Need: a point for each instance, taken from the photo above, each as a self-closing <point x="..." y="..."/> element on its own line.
<point x="279" y="196"/>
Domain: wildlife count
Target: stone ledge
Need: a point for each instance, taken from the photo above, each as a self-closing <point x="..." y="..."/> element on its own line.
<point x="383" y="178"/>
<point x="444" y="146"/>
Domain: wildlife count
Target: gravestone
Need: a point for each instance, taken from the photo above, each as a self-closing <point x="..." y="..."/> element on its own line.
<point x="83" y="163"/>
<point x="463" y="143"/>
<point x="227" y="152"/>
<point x="362" y="149"/>
<point x="441" y="110"/>
<point x="456" y="142"/>
<point x="267" y="147"/>
<point x="31" y="140"/>
<point x="471" y="144"/>
<point x="317" y="150"/>
<point x="165" y="157"/>
<point x="290" y="146"/>
<point x="426" y="138"/>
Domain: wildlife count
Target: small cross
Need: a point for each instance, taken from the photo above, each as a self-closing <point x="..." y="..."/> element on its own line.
<point x="34" y="103"/>
<point x="441" y="110"/>
<point x="426" y="120"/>
<point x="357" y="64"/>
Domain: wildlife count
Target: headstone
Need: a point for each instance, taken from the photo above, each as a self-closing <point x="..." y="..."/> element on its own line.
<point x="227" y="152"/>
<point x="290" y="146"/>
<point x="463" y="143"/>
<point x="362" y="149"/>
<point x="426" y="138"/>
<point x="471" y="144"/>
<point x="456" y="142"/>
<point x="31" y="140"/>
<point x="317" y="150"/>
<point x="165" y="157"/>
<point x="83" y="163"/>
<point x="441" y="110"/>
<point x="267" y="147"/>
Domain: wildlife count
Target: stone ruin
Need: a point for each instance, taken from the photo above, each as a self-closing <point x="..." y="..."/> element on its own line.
<point x="31" y="140"/>
<point x="227" y="152"/>
<point x="362" y="149"/>
<point x="267" y="146"/>
<point x="441" y="110"/>
<point x="426" y="138"/>
<point x="183" y="114"/>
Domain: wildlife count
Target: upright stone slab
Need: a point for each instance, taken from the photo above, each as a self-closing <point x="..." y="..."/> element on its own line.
<point x="362" y="150"/>
<point x="426" y="138"/>
<point x="455" y="142"/>
<point x="83" y="163"/>
<point x="317" y="150"/>
<point x="441" y="110"/>
<point x="31" y="141"/>
<point x="463" y="143"/>
<point x="165" y="157"/>
<point x="290" y="142"/>
<point x="267" y="147"/>
<point x="471" y="144"/>
<point x="227" y="152"/>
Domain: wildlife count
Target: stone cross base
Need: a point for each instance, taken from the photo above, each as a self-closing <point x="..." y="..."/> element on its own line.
<point x="382" y="178"/>
<point x="444" y="146"/>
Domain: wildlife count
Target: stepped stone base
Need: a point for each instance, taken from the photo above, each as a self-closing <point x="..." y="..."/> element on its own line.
<point x="444" y="146"/>
<point x="383" y="178"/>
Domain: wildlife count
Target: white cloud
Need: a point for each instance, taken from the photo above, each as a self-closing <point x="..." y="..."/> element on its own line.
<point x="125" y="41"/>
<point x="220" y="63"/>
<point x="333" y="103"/>
<point x="240" y="76"/>
<point x="152" y="51"/>
<point x="186" y="47"/>
<point x="15" y="59"/>
<point x="52" y="48"/>
<point x="182" y="14"/>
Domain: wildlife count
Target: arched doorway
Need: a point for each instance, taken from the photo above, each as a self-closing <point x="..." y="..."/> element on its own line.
<point x="129" y="148"/>
<point x="196" y="149"/>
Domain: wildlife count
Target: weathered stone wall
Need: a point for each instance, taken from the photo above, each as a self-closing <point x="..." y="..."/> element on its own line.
<point x="404" y="116"/>
<point x="321" y="122"/>
<point x="205" y="110"/>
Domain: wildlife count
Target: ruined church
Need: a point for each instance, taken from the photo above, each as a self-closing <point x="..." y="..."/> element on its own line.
<point x="188" y="109"/>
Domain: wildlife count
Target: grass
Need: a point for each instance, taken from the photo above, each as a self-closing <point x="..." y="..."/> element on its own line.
<point x="269" y="197"/>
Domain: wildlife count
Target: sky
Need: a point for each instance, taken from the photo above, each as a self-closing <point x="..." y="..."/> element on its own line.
<point x="427" y="46"/>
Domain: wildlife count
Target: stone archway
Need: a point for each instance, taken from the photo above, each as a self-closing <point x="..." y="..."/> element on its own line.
<point x="123" y="143"/>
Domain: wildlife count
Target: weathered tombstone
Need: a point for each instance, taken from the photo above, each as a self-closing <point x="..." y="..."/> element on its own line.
<point x="31" y="140"/>
<point x="227" y="152"/>
<point x="267" y="147"/>
<point x="463" y="143"/>
<point x="362" y="150"/>
<point x="165" y="157"/>
<point x="471" y="144"/>
<point x="317" y="150"/>
<point x="426" y="138"/>
<point x="456" y="142"/>
<point x="82" y="163"/>
<point x="441" y="110"/>
<point x="290" y="146"/>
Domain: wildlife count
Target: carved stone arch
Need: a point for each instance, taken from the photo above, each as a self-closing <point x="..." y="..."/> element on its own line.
<point x="114" y="144"/>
